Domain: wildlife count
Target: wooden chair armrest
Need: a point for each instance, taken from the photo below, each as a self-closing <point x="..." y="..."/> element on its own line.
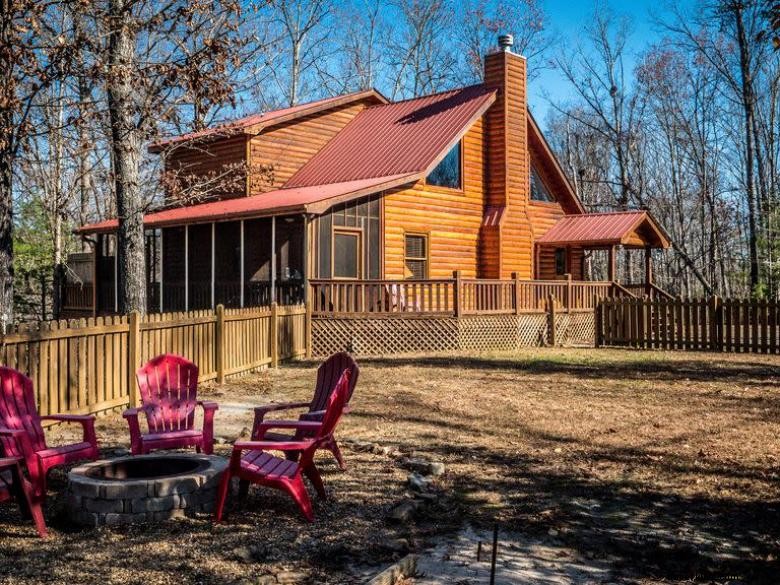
<point x="271" y="446"/>
<point x="79" y="418"/>
<point x="266" y="408"/>
<point x="87" y="422"/>
<point x="261" y="429"/>
<point x="208" y="405"/>
<point x="6" y="462"/>
<point x="130" y="412"/>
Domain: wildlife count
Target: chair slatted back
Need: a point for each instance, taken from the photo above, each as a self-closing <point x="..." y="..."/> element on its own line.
<point x="169" y="392"/>
<point x="335" y="406"/>
<point x="18" y="411"/>
<point x="329" y="374"/>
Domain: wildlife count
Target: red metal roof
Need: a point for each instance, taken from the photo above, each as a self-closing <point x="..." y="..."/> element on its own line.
<point x="268" y="118"/>
<point x="604" y="229"/>
<point x="396" y="138"/>
<point x="314" y="199"/>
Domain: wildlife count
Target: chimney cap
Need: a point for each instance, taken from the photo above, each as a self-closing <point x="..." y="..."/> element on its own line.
<point x="505" y="42"/>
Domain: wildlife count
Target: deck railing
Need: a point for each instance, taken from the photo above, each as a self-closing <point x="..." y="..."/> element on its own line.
<point x="456" y="296"/>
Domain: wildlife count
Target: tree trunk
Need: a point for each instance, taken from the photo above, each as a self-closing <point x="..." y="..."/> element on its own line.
<point x="6" y="242"/>
<point x="748" y="111"/>
<point x="126" y="146"/>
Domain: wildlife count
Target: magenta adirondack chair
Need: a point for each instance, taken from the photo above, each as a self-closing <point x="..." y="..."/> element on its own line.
<point x="14" y="486"/>
<point x="21" y="433"/>
<point x="251" y="462"/>
<point x="328" y="375"/>
<point x="169" y="394"/>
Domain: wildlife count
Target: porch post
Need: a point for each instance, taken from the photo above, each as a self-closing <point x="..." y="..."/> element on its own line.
<point x="305" y="254"/>
<point x="612" y="269"/>
<point x="95" y="274"/>
<point x="273" y="259"/>
<point x="648" y="269"/>
<point x="241" y="254"/>
<point x="187" y="267"/>
<point x="213" y="265"/>
<point x="162" y="231"/>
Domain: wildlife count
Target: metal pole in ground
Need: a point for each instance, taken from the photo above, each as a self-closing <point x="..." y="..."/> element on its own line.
<point x="493" y="558"/>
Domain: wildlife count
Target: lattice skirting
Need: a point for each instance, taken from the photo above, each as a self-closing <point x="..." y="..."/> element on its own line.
<point x="389" y="335"/>
<point x="575" y="328"/>
<point x="377" y="336"/>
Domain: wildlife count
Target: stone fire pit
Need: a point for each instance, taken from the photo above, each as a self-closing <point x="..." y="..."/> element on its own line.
<point x="144" y="488"/>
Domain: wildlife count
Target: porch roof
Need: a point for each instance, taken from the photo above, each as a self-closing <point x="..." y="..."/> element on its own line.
<point x="313" y="199"/>
<point x="635" y="229"/>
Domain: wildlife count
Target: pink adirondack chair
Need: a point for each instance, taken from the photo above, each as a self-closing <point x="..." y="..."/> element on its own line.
<point x="169" y="394"/>
<point x="328" y="375"/>
<point x="21" y="433"/>
<point x="251" y="462"/>
<point x="14" y="486"/>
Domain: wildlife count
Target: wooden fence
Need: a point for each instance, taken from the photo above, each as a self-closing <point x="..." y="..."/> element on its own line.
<point x="88" y="365"/>
<point x="456" y="296"/>
<point x="733" y="325"/>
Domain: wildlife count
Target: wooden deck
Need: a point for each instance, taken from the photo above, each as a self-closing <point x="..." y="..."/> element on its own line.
<point x="464" y="296"/>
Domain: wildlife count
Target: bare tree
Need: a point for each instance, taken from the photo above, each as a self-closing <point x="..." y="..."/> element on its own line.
<point x="419" y="59"/>
<point x="303" y="36"/>
<point x="153" y="53"/>
<point x="30" y="62"/>
<point x="483" y="21"/>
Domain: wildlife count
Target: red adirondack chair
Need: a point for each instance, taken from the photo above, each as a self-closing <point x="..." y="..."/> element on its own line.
<point x="169" y="396"/>
<point x="328" y="374"/>
<point x="251" y="462"/>
<point x="21" y="433"/>
<point x="13" y="485"/>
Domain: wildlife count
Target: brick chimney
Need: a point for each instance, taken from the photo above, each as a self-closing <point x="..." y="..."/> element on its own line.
<point x="507" y="166"/>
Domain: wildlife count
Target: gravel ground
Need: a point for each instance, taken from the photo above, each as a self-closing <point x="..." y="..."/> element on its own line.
<point x="654" y="467"/>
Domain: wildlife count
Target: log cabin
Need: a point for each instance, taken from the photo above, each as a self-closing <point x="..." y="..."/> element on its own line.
<point x="359" y="188"/>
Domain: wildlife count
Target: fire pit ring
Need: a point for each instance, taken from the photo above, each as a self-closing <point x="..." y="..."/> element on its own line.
<point x="143" y="488"/>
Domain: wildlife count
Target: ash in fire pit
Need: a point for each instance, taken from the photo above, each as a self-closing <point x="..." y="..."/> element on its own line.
<point x="145" y="468"/>
<point x="143" y="488"/>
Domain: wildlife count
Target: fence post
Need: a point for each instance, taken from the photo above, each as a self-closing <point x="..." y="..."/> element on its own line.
<point x="456" y="304"/>
<point x="568" y="292"/>
<point x="308" y="324"/>
<point x="551" y="319"/>
<point x="716" y="324"/>
<point x="274" y="335"/>
<point x="598" y="316"/>
<point x="516" y="278"/>
<point x="219" y="342"/>
<point x="133" y="356"/>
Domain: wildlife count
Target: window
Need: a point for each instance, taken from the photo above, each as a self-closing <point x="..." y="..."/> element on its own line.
<point x="560" y="261"/>
<point x="346" y="254"/>
<point x="539" y="190"/>
<point x="447" y="172"/>
<point x="416" y="256"/>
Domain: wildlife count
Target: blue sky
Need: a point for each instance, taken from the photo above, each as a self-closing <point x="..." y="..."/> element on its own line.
<point x="567" y="18"/>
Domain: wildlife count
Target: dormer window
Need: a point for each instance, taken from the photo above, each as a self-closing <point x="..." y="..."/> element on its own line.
<point x="539" y="191"/>
<point x="448" y="172"/>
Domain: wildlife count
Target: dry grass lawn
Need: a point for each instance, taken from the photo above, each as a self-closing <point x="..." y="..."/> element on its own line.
<point x="664" y="465"/>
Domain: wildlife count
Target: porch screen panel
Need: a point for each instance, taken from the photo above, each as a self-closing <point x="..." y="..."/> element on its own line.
<point x="257" y="262"/>
<point x="289" y="259"/>
<point x="173" y="269"/>
<point x="200" y="267"/>
<point x="227" y="264"/>
<point x="324" y="247"/>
